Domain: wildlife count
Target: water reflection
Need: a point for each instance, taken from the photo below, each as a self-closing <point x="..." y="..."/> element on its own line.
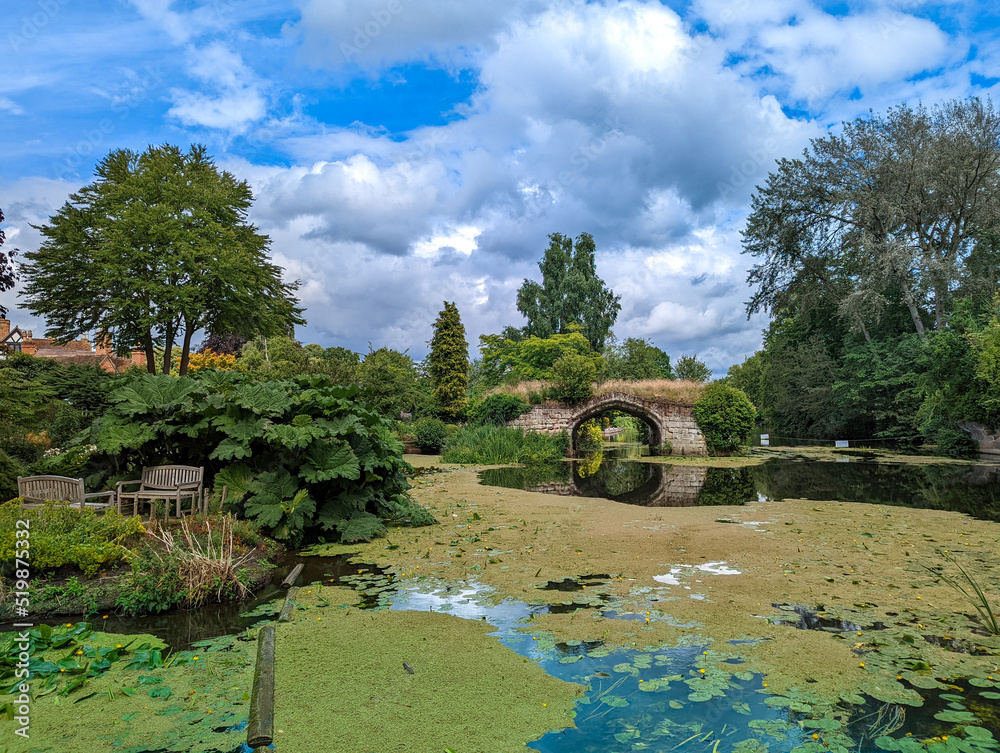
<point x="631" y="482"/>
<point x="620" y="475"/>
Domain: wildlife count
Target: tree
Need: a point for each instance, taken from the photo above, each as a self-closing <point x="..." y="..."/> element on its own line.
<point x="570" y="293"/>
<point x="157" y="248"/>
<point x="391" y="383"/>
<point x="635" y="359"/>
<point x="889" y="211"/>
<point x="691" y="369"/>
<point x="726" y="417"/>
<point x="530" y="358"/>
<point x="8" y="273"/>
<point x="230" y="345"/>
<point x="448" y="363"/>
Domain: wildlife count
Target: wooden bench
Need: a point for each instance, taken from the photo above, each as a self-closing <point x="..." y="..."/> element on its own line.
<point x="167" y="482"/>
<point x="40" y="489"/>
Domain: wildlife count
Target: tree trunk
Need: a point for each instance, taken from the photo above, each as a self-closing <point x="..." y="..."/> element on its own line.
<point x="939" y="318"/>
<point x="150" y="354"/>
<point x="186" y="347"/>
<point x="908" y="299"/>
<point x="168" y="347"/>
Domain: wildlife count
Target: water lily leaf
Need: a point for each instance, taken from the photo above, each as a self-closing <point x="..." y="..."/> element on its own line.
<point x="614" y="701"/>
<point x="955" y="716"/>
<point x="676" y="705"/>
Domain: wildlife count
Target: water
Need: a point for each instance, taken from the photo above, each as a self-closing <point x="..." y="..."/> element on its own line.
<point x="973" y="490"/>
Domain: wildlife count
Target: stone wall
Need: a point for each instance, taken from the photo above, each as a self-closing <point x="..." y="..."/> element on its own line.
<point x="671" y="422"/>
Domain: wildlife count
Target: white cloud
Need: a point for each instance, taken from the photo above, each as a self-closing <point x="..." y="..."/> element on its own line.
<point x="237" y="100"/>
<point x="9" y="105"/>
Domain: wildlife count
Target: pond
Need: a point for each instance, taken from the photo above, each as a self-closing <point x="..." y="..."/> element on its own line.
<point x="973" y="490"/>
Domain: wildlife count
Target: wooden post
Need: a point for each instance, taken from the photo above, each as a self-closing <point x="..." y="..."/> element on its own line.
<point x="260" y="727"/>
<point x="286" y="609"/>
<point x="287" y="582"/>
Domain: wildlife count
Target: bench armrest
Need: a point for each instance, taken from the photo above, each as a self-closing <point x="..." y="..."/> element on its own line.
<point x="91" y="495"/>
<point x="126" y="483"/>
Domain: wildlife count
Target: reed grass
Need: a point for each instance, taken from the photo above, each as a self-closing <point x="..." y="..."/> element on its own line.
<point x="501" y="445"/>
<point x="207" y="564"/>
<point x="976" y="597"/>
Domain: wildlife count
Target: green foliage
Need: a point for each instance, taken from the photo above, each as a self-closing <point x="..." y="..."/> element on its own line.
<point x="956" y="444"/>
<point x="301" y="457"/>
<point x="691" y="369"/>
<point x="392" y="384"/>
<point x="497" y="409"/>
<point x="635" y="359"/>
<point x="448" y="363"/>
<point x="727" y="486"/>
<point x="430" y="434"/>
<point x="68" y="463"/>
<point x="157" y="248"/>
<point x="573" y="378"/>
<point x="589" y="437"/>
<point x="154" y="585"/>
<point x="501" y="445"/>
<point x="65" y="535"/>
<point x="570" y="293"/>
<point x="507" y="360"/>
<point x="10" y="469"/>
<point x="726" y="417"/>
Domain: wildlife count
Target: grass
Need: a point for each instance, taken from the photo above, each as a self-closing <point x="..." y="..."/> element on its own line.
<point x="977" y="597"/>
<point x="677" y="391"/>
<point x="500" y="445"/>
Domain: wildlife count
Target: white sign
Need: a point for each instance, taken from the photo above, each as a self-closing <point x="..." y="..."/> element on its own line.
<point x="765" y="436"/>
<point x="841" y="443"/>
<point x="765" y="443"/>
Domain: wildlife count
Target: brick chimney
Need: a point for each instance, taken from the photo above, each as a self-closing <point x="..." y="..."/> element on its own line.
<point x="4" y="327"/>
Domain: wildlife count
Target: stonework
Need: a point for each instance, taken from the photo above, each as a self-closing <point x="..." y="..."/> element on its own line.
<point x="671" y="422"/>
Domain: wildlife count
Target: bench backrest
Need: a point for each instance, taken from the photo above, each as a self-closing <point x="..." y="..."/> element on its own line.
<point x="55" y="488"/>
<point x="171" y="476"/>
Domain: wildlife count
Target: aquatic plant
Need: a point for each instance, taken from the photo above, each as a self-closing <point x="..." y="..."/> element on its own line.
<point x="977" y="597"/>
<point x="500" y="445"/>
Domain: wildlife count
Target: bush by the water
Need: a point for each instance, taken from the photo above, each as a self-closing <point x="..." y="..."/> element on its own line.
<point x="726" y="417"/>
<point x="301" y="457"/>
<point x="501" y="445"/>
<point x="956" y="444"/>
<point x="65" y="535"/>
<point x="589" y="438"/>
<point x="497" y="409"/>
<point x="429" y="434"/>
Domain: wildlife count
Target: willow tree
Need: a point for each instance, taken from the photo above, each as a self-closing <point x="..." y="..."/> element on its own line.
<point x="888" y="211"/>
<point x="449" y="363"/>
<point x="157" y="248"/>
<point x="571" y="295"/>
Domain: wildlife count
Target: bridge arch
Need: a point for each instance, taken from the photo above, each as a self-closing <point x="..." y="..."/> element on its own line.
<point x="674" y="429"/>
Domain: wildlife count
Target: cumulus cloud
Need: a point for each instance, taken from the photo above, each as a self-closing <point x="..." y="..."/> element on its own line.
<point x="236" y="100"/>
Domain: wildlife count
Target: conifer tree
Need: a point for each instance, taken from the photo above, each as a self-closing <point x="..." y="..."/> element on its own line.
<point x="449" y="362"/>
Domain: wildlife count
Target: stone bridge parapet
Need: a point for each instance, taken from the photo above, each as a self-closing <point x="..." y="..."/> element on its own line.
<point x="673" y="424"/>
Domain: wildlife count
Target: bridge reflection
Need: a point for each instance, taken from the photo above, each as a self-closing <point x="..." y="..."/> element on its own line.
<point x="631" y="481"/>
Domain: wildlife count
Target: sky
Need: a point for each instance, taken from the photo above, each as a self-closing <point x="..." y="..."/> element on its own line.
<point x="407" y="152"/>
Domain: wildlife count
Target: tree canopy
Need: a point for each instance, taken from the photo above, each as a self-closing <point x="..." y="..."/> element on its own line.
<point x="570" y="293"/>
<point x="8" y="273"/>
<point x="157" y="248"/>
<point x="897" y="210"/>
<point x="448" y="363"/>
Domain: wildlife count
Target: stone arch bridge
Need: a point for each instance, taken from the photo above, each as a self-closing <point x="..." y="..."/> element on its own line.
<point x="672" y="424"/>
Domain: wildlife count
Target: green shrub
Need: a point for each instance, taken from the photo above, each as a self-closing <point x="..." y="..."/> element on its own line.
<point x="65" y="535"/>
<point x="10" y="469"/>
<point x="497" y="409"/>
<point x="67" y="463"/>
<point x="726" y="418"/>
<point x="956" y="444"/>
<point x="573" y="378"/>
<point x="154" y="585"/>
<point x="301" y="457"/>
<point x="429" y="434"/>
<point x="589" y="437"/>
<point x="501" y="445"/>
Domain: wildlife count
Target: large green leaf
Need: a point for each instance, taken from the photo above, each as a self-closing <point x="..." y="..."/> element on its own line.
<point x="153" y="393"/>
<point x="330" y="459"/>
<point x="230" y="449"/>
<point x="285" y="435"/>
<point x="237" y="477"/>
<point x="267" y="399"/>
<point x="361" y="526"/>
<point x="244" y="429"/>
<point x="112" y="438"/>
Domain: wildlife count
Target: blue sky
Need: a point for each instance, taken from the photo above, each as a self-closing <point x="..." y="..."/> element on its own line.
<point x="405" y="152"/>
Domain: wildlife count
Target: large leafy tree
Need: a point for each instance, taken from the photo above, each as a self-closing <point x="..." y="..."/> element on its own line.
<point x="448" y="363"/>
<point x="570" y="293"/>
<point x="8" y="273"/>
<point x="888" y="212"/>
<point x="157" y="248"/>
<point x="635" y="359"/>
